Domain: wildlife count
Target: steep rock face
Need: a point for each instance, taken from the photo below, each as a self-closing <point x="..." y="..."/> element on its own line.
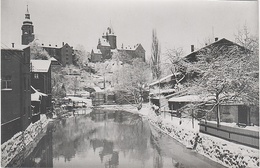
<point x="224" y="152"/>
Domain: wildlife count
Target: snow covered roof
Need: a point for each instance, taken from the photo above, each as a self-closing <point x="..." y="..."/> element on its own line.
<point x="97" y="51"/>
<point x="97" y="89"/>
<point x="40" y="65"/>
<point x="131" y="48"/>
<point x="53" y="59"/>
<point x="16" y="47"/>
<point x="187" y="98"/>
<point x="163" y="91"/>
<point x="36" y="95"/>
<point x="162" y="79"/>
<point x="223" y="42"/>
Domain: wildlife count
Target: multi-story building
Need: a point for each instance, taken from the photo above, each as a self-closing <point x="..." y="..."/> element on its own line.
<point x="41" y="80"/>
<point x="15" y="91"/>
<point x="64" y="54"/>
<point x="137" y="51"/>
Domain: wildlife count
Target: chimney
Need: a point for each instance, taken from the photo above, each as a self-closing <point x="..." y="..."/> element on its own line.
<point x="216" y="38"/>
<point x="12" y="45"/>
<point x="62" y="43"/>
<point x="192" y="48"/>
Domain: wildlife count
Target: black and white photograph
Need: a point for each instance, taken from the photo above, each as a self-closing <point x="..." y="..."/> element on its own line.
<point x="130" y="83"/>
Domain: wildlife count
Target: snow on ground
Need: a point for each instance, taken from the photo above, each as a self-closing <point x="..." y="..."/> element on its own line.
<point x="20" y="140"/>
<point x="145" y="110"/>
<point x="80" y="99"/>
<point x="252" y="128"/>
<point x="224" y="152"/>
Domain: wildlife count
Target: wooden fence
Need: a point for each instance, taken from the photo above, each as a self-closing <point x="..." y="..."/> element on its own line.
<point x="238" y="135"/>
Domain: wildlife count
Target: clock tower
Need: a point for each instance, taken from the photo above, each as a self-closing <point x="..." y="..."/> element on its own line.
<point x="27" y="29"/>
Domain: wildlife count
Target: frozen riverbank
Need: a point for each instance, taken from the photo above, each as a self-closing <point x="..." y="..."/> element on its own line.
<point x="21" y="141"/>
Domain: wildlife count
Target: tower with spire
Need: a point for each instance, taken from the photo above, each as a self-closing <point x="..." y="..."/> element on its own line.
<point x="110" y="36"/>
<point x="27" y="29"/>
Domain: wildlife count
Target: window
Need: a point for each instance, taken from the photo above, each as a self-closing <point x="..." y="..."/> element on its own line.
<point x="36" y="76"/>
<point x="6" y="83"/>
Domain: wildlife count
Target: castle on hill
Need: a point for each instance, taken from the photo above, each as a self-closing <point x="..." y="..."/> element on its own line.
<point x="107" y="45"/>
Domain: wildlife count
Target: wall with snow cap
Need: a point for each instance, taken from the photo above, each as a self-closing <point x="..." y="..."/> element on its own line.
<point x="224" y="152"/>
<point x="22" y="140"/>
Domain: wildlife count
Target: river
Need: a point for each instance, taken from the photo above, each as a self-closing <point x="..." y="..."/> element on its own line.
<point x="110" y="139"/>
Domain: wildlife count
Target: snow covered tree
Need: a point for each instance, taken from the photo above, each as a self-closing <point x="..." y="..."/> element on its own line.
<point x="81" y="56"/>
<point x="224" y="74"/>
<point x="122" y="56"/>
<point x="132" y="80"/>
<point x="37" y="52"/>
<point x="155" y="56"/>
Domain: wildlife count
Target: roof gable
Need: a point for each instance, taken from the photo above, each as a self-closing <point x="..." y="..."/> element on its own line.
<point x="40" y="65"/>
<point x="219" y="43"/>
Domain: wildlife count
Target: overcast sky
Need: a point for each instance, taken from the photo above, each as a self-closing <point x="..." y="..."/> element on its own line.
<point x="178" y="23"/>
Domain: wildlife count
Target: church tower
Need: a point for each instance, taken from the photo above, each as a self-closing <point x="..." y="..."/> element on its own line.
<point x="27" y="29"/>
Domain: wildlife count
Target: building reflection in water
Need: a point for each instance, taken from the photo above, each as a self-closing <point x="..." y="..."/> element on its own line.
<point x="101" y="138"/>
<point x="107" y="154"/>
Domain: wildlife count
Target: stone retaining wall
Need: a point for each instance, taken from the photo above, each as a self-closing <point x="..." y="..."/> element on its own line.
<point x="20" y="141"/>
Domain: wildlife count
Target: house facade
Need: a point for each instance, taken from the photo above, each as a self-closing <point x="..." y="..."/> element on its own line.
<point x="41" y="80"/>
<point x="96" y="55"/>
<point x="15" y="91"/>
<point x="137" y="51"/>
<point x="63" y="54"/>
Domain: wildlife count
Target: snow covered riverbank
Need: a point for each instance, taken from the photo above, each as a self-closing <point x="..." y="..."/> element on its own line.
<point x="22" y="140"/>
<point x="219" y="150"/>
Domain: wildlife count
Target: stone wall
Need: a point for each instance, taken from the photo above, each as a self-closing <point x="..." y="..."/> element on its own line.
<point x="22" y="140"/>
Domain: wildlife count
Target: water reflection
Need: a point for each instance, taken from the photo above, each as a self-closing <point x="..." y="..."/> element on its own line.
<point x="42" y="155"/>
<point x="109" y="139"/>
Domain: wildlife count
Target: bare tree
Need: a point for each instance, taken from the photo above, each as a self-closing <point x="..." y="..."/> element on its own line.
<point x="245" y="39"/>
<point x="177" y="65"/>
<point x="155" y="56"/>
